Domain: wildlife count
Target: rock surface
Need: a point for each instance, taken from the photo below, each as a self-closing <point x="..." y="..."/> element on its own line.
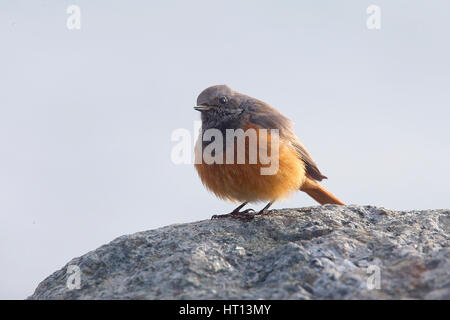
<point x="326" y="252"/>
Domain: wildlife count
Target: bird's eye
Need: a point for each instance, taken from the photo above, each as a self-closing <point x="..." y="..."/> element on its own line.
<point x="223" y="100"/>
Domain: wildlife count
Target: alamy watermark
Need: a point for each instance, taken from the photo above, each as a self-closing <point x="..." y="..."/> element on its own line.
<point x="74" y="277"/>
<point x="373" y="21"/>
<point x="228" y="146"/>
<point x="74" y="19"/>
<point x="374" y="279"/>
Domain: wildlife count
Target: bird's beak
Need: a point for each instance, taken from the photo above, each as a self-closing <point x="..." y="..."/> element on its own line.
<point x="203" y="108"/>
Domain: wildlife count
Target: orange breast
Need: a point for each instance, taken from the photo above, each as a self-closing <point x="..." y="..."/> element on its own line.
<point x="245" y="183"/>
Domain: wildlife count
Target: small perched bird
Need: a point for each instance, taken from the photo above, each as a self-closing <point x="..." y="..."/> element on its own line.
<point x="223" y="109"/>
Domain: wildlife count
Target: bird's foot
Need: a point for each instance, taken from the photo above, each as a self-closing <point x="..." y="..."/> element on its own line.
<point x="246" y="215"/>
<point x="265" y="212"/>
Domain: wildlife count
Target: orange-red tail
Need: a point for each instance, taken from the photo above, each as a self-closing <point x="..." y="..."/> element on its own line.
<point x="319" y="193"/>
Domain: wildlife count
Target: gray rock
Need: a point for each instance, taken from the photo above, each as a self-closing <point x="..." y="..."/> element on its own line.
<point x="326" y="252"/>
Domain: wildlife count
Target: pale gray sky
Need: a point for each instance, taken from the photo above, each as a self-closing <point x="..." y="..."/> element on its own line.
<point x="86" y="115"/>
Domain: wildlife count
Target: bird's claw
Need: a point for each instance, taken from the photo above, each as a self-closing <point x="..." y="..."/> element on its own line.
<point x="245" y="215"/>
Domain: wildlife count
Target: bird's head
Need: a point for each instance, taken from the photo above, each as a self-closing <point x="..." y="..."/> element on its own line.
<point x="219" y="104"/>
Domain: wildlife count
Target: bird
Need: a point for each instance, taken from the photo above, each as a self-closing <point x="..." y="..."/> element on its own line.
<point x="224" y="109"/>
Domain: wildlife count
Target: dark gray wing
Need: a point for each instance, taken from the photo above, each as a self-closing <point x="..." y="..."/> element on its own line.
<point x="267" y="117"/>
<point x="311" y="167"/>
